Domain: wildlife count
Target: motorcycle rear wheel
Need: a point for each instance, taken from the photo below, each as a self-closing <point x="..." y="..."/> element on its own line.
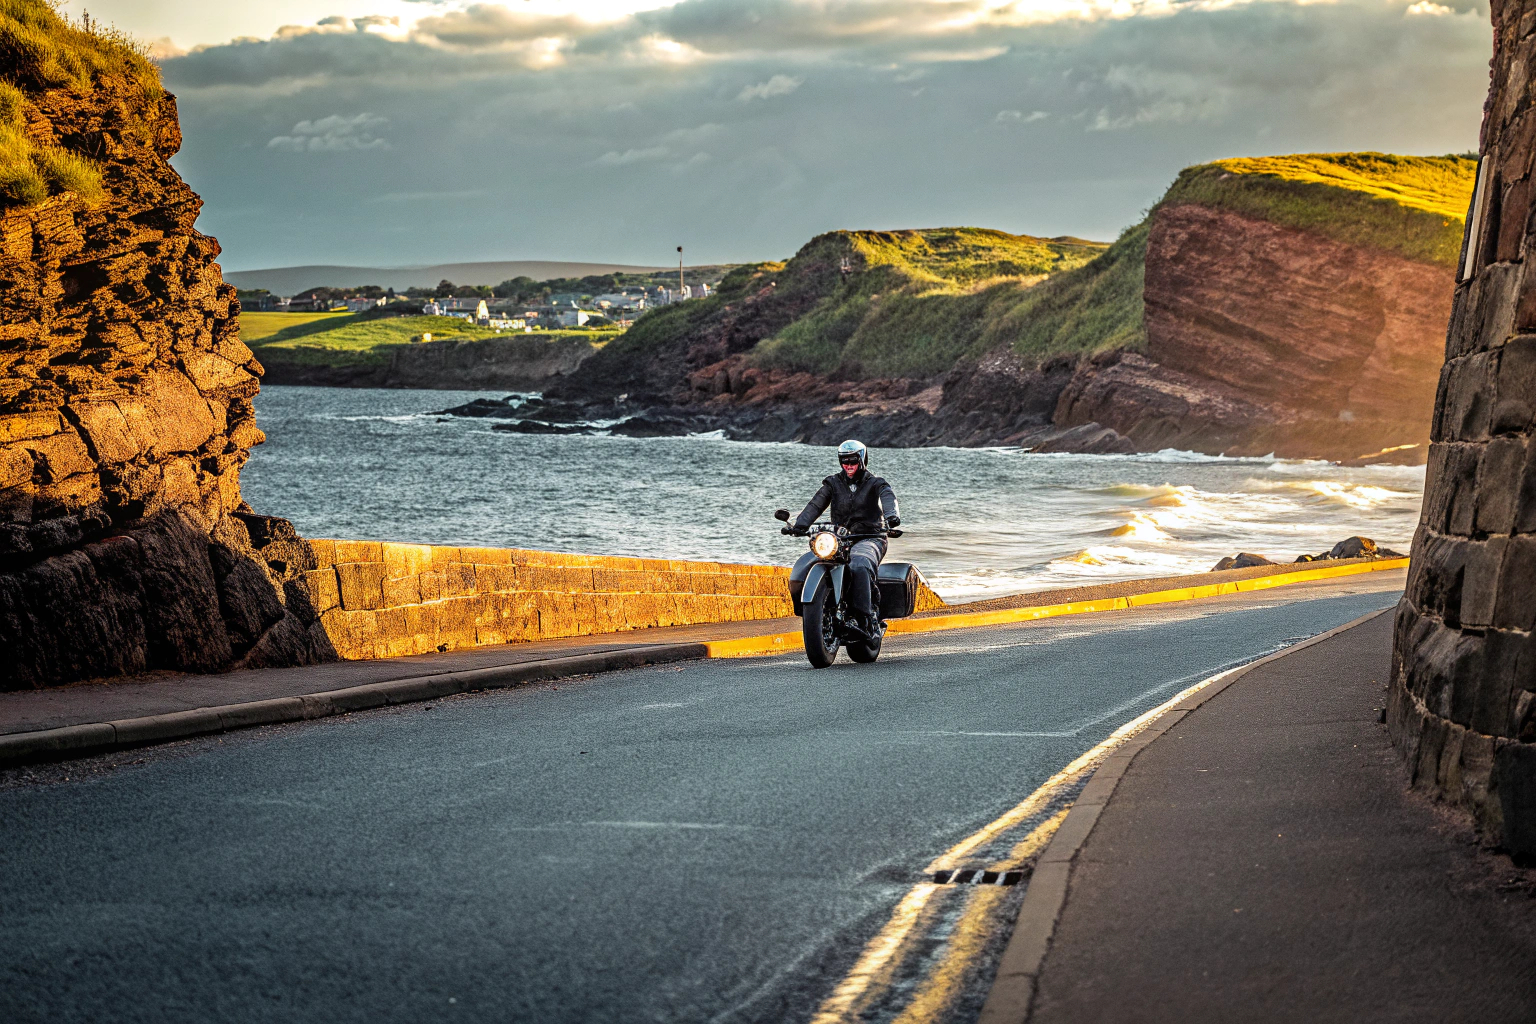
<point x="863" y="652"/>
<point x="818" y="625"/>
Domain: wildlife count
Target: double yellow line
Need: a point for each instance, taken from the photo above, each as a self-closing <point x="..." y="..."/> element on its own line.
<point x="780" y="643"/>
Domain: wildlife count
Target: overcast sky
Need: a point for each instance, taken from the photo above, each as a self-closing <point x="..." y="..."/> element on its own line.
<point x="394" y="132"/>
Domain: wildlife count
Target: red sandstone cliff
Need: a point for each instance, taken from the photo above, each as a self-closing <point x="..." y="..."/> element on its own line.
<point x="125" y="417"/>
<point x="1265" y="338"/>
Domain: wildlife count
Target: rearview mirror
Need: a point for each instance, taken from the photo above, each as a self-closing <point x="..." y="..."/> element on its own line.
<point x="782" y="514"/>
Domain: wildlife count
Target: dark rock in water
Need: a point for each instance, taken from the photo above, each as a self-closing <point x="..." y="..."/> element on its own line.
<point x="535" y="427"/>
<point x="1087" y="439"/>
<point x="1244" y="560"/>
<point x="1354" y="547"/>
<point x="653" y="424"/>
<point x="483" y="407"/>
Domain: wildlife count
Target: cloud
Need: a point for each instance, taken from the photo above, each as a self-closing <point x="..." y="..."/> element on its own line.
<point x="542" y="113"/>
<point x="333" y="134"/>
<point x="1426" y="7"/>
<point x="1020" y="116"/>
<point x="614" y="158"/>
<point x="778" y="85"/>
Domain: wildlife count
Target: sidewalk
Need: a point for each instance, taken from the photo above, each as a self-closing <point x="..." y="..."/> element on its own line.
<point x="1261" y="860"/>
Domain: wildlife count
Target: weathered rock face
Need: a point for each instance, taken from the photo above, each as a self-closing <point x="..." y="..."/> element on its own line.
<point x="125" y="418"/>
<point x="1463" y="694"/>
<point x="1263" y="338"/>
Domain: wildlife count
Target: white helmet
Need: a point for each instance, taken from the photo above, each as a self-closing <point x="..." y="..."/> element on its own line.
<point x="850" y="452"/>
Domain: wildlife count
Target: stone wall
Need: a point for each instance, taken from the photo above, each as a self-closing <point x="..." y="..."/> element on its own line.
<point x="125" y="405"/>
<point x="1462" y="707"/>
<point x="379" y="600"/>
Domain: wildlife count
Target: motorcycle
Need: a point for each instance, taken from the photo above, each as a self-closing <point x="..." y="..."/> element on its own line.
<point x="817" y="587"/>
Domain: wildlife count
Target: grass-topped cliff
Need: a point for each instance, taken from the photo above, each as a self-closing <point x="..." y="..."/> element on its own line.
<point x="1413" y="206"/>
<point x="40" y="51"/>
<point x="882" y="304"/>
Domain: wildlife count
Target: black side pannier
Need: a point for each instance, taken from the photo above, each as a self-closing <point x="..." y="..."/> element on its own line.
<point x="898" y="589"/>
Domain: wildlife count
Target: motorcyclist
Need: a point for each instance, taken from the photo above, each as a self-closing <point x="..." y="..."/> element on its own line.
<point x="863" y="503"/>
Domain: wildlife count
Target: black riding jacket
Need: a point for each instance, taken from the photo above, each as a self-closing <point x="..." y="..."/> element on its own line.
<point x="861" y="504"/>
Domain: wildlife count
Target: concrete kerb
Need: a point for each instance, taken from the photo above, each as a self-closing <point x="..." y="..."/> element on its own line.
<point x="778" y="643"/>
<point x="104" y="737"/>
<point x="1013" y="990"/>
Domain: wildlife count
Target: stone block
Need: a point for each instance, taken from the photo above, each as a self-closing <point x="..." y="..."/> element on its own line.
<point x="1448" y="772"/>
<point x="352" y="634"/>
<point x="359" y="551"/>
<point x="1514" y="210"/>
<point x="1475" y="768"/>
<point x="1498" y="484"/>
<point x="1480" y="586"/>
<point x="1461" y="481"/>
<point x="323" y="590"/>
<point x="432" y="586"/>
<point x="458" y="580"/>
<point x="1525" y="494"/>
<point x="486" y="556"/>
<point x="456" y="621"/>
<point x="421" y="625"/>
<point x="1514" y="405"/>
<point x="1515" y="780"/>
<point x="1516" y="598"/>
<point x="586" y="614"/>
<point x="613" y="581"/>
<point x="361" y="585"/>
<point x="640" y="610"/>
<point x="1468" y="400"/>
<point x="443" y="557"/>
<point x="1431" y="742"/>
<point x="324" y="551"/>
<point x="393" y="639"/>
<point x="1487" y="314"/>
<point x="402" y="560"/>
<point x="401" y="592"/>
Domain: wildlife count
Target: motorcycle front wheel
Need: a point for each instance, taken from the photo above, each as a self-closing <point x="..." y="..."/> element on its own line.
<point x="819" y="626"/>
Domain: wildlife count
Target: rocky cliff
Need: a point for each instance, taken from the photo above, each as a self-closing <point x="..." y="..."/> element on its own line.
<point x="125" y="392"/>
<point x="1268" y="338"/>
<point x="1293" y="305"/>
<point x="1462" y="707"/>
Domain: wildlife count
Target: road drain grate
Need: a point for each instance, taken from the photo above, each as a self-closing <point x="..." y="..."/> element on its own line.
<point x="972" y="876"/>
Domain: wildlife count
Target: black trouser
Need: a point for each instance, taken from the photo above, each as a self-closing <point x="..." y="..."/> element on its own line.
<point x="863" y="560"/>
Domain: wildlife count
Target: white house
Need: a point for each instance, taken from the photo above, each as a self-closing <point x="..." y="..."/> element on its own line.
<point x="573" y="318"/>
<point x="506" y="324"/>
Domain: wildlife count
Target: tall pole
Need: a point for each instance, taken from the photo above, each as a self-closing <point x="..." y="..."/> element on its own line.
<point x="679" y="272"/>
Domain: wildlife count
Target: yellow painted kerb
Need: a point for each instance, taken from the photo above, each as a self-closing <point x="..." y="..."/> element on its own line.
<point x="779" y="643"/>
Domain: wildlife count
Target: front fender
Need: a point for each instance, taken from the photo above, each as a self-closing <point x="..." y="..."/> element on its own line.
<point x="822" y="575"/>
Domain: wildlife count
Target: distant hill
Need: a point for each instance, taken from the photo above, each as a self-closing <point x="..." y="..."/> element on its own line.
<point x="292" y="280"/>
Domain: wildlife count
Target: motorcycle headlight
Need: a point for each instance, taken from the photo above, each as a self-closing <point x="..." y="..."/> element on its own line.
<point x="824" y="545"/>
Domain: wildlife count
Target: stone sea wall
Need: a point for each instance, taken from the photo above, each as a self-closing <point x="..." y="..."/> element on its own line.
<point x="1462" y="707"/>
<point x="381" y="600"/>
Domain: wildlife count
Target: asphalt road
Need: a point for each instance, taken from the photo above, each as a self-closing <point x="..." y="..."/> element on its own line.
<point x="708" y="842"/>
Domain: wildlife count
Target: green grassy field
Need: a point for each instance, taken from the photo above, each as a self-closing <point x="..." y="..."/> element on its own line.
<point x="358" y="339"/>
<point x="1414" y="206"/>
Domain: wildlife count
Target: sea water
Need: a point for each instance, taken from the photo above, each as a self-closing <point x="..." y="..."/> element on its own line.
<point x="980" y="522"/>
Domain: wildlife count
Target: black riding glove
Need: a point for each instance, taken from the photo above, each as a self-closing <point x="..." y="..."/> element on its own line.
<point x="891" y="522"/>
